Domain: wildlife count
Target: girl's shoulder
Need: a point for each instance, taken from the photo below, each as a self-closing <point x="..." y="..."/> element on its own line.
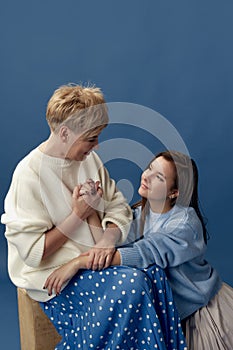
<point x="183" y="217"/>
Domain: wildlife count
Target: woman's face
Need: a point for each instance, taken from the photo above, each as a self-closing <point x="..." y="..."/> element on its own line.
<point x="80" y="148"/>
<point x="157" y="182"/>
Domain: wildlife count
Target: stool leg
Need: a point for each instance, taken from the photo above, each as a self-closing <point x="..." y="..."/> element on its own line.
<point x="36" y="330"/>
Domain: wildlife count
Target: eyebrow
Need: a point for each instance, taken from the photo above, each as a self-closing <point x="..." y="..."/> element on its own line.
<point x="158" y="172"/>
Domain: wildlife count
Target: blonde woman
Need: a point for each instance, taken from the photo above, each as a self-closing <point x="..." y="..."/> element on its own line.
<point x="48" y="216"/>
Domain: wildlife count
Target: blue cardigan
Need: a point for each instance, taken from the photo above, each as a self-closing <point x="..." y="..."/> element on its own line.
<point x="174" y="241"/>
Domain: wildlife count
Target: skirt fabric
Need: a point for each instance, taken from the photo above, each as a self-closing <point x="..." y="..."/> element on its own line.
<point x="117" y="308"/>
<point x="211" y="327"/>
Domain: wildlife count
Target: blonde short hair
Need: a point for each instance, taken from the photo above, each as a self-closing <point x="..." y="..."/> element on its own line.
<point x="81" y="108"/>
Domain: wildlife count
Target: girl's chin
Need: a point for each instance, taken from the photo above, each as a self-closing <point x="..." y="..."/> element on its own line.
<point x="142" y="192"/>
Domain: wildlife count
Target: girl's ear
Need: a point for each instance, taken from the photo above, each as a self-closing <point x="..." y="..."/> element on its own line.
<point x="174" y="194"/>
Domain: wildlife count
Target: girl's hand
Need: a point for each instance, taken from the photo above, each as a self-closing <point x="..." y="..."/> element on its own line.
<point x="99" y="257"/>
<point x="63" y="274"/>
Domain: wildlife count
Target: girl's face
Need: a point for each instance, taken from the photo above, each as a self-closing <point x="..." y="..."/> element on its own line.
<point x="157" y="183"/>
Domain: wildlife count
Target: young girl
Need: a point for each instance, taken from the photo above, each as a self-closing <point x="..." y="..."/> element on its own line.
<point x="168" y="230"/>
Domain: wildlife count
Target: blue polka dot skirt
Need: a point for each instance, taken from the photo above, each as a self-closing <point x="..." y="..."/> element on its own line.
<point x="117" y="308"/>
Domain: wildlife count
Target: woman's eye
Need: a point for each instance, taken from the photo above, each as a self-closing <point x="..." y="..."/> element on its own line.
<point x="93" y="139"/>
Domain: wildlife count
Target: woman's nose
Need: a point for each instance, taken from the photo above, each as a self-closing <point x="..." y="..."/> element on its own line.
<point x="96" y="144"/>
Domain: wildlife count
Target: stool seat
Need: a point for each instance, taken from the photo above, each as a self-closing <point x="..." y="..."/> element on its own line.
<point x="36" y="330"/>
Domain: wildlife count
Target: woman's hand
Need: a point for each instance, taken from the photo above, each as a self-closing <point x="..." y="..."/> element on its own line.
<point x="56" y="280"/>
<point x="86" y="198"/>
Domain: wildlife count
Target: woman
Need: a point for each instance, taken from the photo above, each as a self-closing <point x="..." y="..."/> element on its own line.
<point x="46" y="216"/>
<point x="168" y="230"/>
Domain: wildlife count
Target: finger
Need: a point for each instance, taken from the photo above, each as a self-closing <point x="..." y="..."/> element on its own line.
<point x="90" y="260"/>
<point x="108" y="261"/>
<point x="95" y="264"/>
<point x="97" y="185"/>
<point x="86" y="187"/>
<point x="56" y="286"/>
<point x="48" y="282"/>
<point x="85" y="254"/>
<point x="100" y="191"/>
<point x="76" y="191"/>
<point x="58" y="289"/>
<point x="50" y="287"/>
<point x="102" y="263"/>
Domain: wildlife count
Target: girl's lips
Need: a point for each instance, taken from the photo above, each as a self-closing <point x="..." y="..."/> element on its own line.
<point x="144" y="186"/>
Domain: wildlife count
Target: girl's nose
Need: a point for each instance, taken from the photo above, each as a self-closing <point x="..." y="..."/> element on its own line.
<point x="145" y="174"/>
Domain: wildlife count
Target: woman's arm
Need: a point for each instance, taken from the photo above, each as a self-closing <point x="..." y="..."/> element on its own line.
<point x="64" y="273"/>
<point x="60" y="276"/>
<point x="83" y="206"/>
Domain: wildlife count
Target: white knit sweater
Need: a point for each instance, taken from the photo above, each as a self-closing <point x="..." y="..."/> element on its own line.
<point x="39" y="198"/>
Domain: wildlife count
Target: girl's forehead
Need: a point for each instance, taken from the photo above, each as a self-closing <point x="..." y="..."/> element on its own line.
<point x="163" y="166"/>
<point x="159" y="162"/>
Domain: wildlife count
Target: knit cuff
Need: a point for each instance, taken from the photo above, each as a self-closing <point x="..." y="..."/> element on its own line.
<point x="130" y="257"/>
<point x="34" y="257"/>
<point x="124" y="228"/>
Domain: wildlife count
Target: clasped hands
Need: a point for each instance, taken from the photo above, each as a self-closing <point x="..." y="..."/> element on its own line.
<point x="100" y="256"/>
<point x="86" y="198"/>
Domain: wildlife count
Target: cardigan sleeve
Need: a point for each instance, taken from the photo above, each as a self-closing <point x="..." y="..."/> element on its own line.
<point x="26" y="219"/>
<point x="172" y="245"/>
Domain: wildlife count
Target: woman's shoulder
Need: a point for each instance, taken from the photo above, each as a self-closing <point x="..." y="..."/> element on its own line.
<point x="27" y="164"/>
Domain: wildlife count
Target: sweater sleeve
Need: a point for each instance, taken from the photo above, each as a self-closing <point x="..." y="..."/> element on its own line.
<point x="171" y="246"/>
<point x="116" y="208"/>
<point x="26" y="219"/>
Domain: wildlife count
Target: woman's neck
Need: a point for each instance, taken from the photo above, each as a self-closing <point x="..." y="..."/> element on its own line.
<point x="53" y="147"/>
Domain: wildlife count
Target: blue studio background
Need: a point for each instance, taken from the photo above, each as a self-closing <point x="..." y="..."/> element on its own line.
<point x="174" y="57"/>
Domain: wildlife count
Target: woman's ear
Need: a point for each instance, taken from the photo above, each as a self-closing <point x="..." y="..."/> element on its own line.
<point x="64" y="133"/>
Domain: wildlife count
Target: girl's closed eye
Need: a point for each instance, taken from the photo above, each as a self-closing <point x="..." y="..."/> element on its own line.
<point x="160" y="178"/>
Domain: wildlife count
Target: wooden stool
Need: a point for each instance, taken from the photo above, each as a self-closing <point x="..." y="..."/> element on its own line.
<point x="36" y="330"/>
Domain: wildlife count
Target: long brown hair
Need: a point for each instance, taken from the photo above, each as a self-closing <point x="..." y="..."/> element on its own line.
<point x="186" y="182"/>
